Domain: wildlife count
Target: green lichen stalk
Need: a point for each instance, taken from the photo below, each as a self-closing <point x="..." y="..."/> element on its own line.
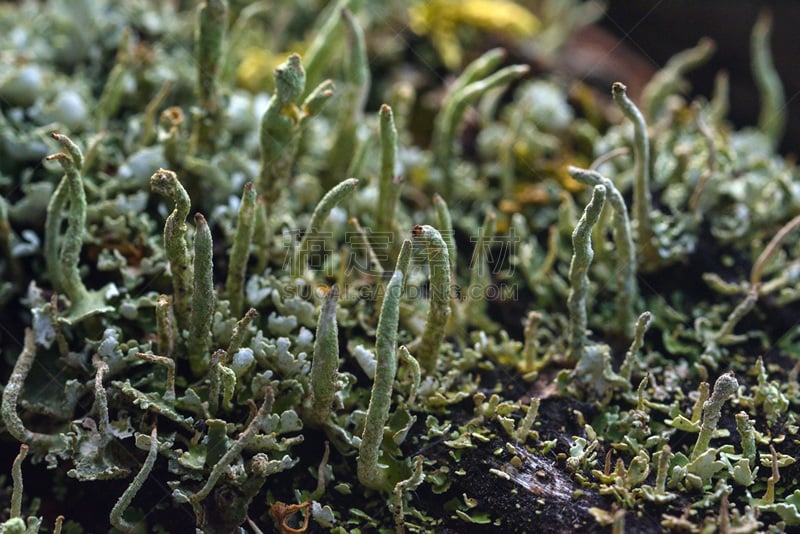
<point x="445" y="224"/>
<point x="166" y="183"/>
<point x="642" y="202"/>
<point x="203" y="299"/>
<point x="16" y="476"/>
<point x="388" y="184"/>
<point x="344" y="154"/>
<point x="325" y="365"/>
<point x="642" y="324"/>
<point x="166" y="329"/>
<point x="578" y="273"/>
<point x="324" y="40"/>
<point x="670" y="79"/>
<point x="480" y="277"/>
<point x="240" y="253"/>
<point x="65" y="272"/>
<point x="278" y="128"/>
<point x="11" y="394"/>
<point x="453" y="109"/>
<point x="209" y="40"/>
<point x="331" y="199"/>
<point x="370" y="472"/>
<point x="772" y="116"/>
<point x="724" y="388"/>
<point x="439" y="309"/>
<point x="126" y="498"/>
<point x="626" y="252"/>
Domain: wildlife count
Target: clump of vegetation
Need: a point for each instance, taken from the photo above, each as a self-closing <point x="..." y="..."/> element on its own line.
<point x="235" y="300"/>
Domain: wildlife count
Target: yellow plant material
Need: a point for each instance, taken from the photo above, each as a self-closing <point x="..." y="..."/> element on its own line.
<point x="441" y="18"/>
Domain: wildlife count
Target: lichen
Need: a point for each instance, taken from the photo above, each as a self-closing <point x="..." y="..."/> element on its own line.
<point x="447" y="338"/>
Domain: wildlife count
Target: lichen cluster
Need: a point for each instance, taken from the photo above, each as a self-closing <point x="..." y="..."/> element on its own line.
<point x="274" y="299"/>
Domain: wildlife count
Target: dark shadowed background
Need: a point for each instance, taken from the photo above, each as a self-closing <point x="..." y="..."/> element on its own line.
<point x="656" y="29"/>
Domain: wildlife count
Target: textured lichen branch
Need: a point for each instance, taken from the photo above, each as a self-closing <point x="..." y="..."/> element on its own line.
<point x="101" y="403"/>
<point x="642" y="202"/>
<point x="127" y="496"/>
<point x="724" y="388"/>
<point x="439" y="308"/>
<point x="277" y="129"/>
<point x="323" y="43"/>
<point x="325" y="364"/>
<point x="239" y="331"/>
<point x="670" y="79"/>
<point x="772" y="116"/>
<point x="388" y="182"/>
<point x="169" y="364"/>
<point x="453" y="109"/>
<point x="445" y="224"/>
<point x="770" y="250"/>
<point x="67" y="273"/>
<point x="11" y="394"/>
<point x="713" y="164"/>
<point x="240" y="252"/>
<point x="236" y="448"/>
<point x="578" y="273"/>
<point x="626" y="252"/>
<point x="370" y="473"/>
<point x="166" y="183"/>
<point x="202" y="298"/>
<point x="403" y="488"/>
<point x="344" y="155"/>
<point x="209" y="40"/>
<point x="16" y="476"/>
<point x="331" y="199"/>
<point x="166" y="329"/>
<point x="642" y="324"/>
